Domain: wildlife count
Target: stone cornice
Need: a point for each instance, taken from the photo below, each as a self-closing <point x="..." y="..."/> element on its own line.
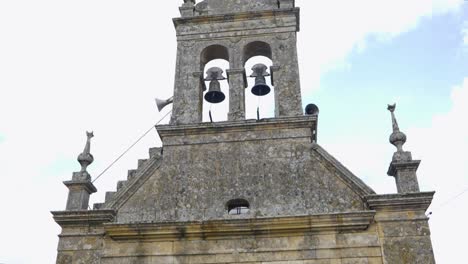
<point x="241" y="16"/>
<point x="402" y="165"/>
<point x="204" y="133"/>
<point x="400" y="202"/>
<point x="86" y="185"/>
<point x="83" y="217"/>
<point x="225" y="229"/>
<point x="236" y="126"/>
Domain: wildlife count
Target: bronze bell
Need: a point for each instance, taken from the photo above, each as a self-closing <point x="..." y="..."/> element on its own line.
<point x="214" y="94"/>
<point x="259" y="72"/>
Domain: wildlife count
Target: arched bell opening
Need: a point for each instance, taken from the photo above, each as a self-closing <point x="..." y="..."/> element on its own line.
<point x="260" y="93"/>
<point x="256" y="48"/>
<point x="214" y="64"/>
<point x="259" y="96"/>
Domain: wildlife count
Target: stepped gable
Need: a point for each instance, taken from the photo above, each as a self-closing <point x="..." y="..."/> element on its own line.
<point x="280" y="171"/>
<point x="135" y="178"/>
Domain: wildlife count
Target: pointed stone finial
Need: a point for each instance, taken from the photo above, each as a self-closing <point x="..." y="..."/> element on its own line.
<point x="398" y="138"/>
<point x="81" y="186"/>
<point x="85" y="158"/>
<point x="402" y="167"/>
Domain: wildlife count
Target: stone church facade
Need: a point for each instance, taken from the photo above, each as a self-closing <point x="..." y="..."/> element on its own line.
<point x="244" y="191"/>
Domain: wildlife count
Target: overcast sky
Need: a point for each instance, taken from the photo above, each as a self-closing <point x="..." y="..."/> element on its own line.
<point x="71" y="66"/>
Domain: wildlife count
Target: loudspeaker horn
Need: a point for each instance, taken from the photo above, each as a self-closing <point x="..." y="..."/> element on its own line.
<point x="163" y="103"/>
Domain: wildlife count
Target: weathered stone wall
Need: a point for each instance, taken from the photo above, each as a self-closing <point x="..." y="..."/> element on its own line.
<point x="214" y="7"/>
<point x="80" y="245"/>
<point x="403" y="227"/>
<point x="391" y="237"/>
<point x="322" y="248"/>
<point x="276" y="169"/>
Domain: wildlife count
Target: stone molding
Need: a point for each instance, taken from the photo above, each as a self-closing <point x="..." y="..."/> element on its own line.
<point x="395" y="166"/>
<point x="199" y="75"/>
<point x="273" y="70"/>
<point x="238" y="17"/>
<point x="83" y="217"/>
<point x="236" y="131"/>
<point x="233" y="72"/>
<point x="287" y="3"/>
<point x="236" y="126"/>
<point x="225" y="229"/>
<point x="400" y="202"/>
<point x="88" y="186"/>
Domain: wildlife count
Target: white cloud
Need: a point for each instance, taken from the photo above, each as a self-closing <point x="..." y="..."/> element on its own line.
<point x="444" y="142"/>
<point x="331" y="30"/>
<point x="465" y="33"/>
<point x="442" y="148"/>
<point x="71" y="66"/>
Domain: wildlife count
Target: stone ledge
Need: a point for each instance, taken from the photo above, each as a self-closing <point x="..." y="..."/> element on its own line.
<point x="402" y="165"/>
<point x="400" y="202"/>
<point x="224" y="229"/>
<point x="299" y="127"/>
<point x="83" y="217"/>
<point x="88" y="186"/>
<point x="241" y="16"/>
<point x="237" y="126"/>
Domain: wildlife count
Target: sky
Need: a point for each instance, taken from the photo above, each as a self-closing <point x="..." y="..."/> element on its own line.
<point x="71" y="66"/>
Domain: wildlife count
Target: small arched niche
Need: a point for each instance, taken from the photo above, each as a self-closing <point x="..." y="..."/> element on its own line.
<point x="254" y="53"/>
<point x="215" y="56"/>
<point x="237" y="207"/>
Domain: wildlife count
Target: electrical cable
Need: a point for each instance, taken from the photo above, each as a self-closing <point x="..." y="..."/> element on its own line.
<point x="129" y="148"/>
<point x="448" y="201"/>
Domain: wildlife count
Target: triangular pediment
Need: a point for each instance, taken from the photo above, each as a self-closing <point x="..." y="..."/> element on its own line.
<point x="278" y="171"/>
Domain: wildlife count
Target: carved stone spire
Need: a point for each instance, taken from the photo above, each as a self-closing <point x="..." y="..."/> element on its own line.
<point x="85" y="158"/>
<point x="402" y="167"/>
<point x="398" y="138"/>
<point x="81" y="186"/>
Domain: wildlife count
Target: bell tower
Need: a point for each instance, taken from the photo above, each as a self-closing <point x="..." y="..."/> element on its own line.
<point x="221" y="29"/>
<point x="244" y="191"/>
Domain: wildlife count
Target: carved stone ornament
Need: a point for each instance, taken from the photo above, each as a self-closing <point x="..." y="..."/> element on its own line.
<point x="398" y="138"/>
<point x="85" y="158"/>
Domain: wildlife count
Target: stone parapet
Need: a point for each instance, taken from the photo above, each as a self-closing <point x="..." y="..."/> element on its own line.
<point x="236" y="131"/>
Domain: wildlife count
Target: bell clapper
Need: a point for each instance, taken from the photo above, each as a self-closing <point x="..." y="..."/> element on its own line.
<point x="209" y="113"/>
<point x="258" y="108"/>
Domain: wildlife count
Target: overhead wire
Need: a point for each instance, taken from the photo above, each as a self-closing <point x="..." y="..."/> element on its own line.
<point x="442" y="205"/>
<point x="129" y="148"/>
